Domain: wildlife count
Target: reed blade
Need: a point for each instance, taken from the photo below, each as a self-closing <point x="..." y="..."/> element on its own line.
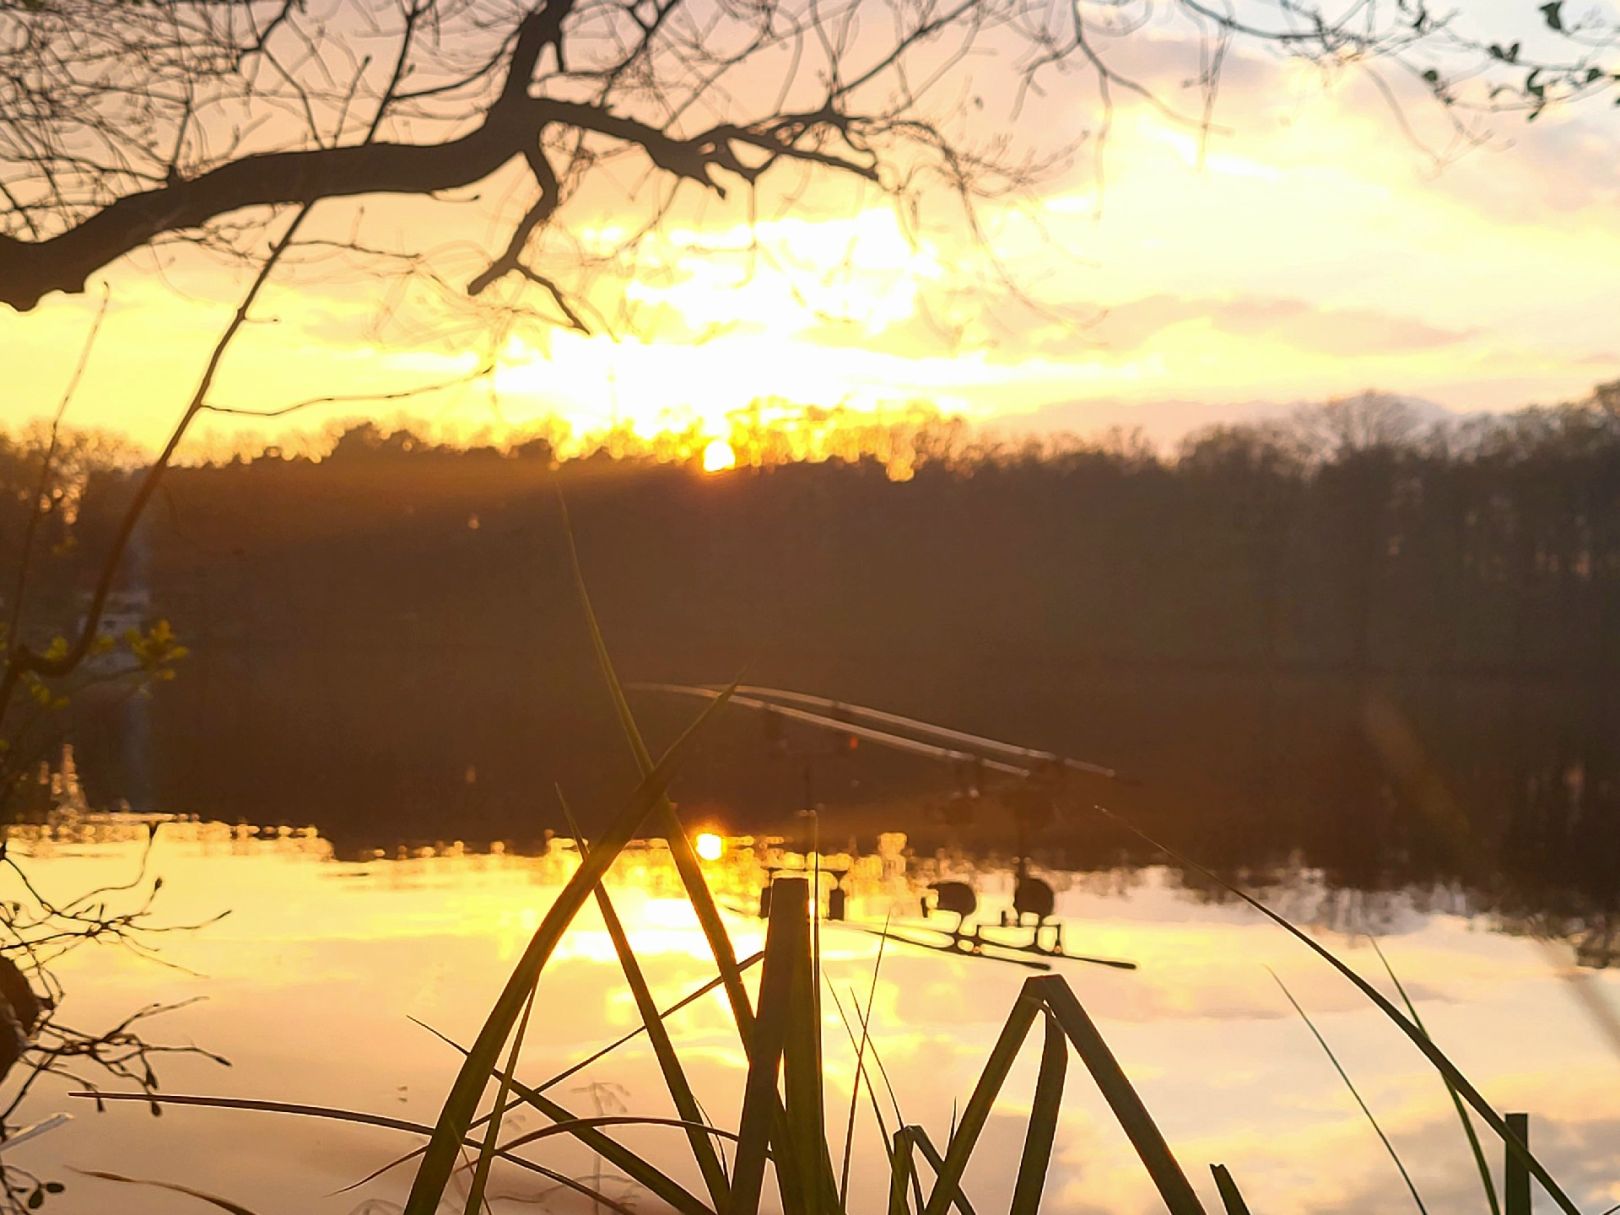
<point x="492" y="1132"/>
<point x="902" y="1166"/>
<point x="877" y="1059"/>
<point x="687" y="864"/>
<point x="1481" y="1165"/>
<point x="224" y="1204"/>
<point x="1122" y="1099"/>
<point x="1231" y="1199"/>
<point x="359" y="1118"/>
<point x="786" y="941"/>
<point x="1515" y="1179"/>
<point x="1349" y="1084"/>
<point x="801" y="1052"/>
<point x="863" y="1075"/>
<point x="669" y="1063"/>
<point x="1043" y="1119"/>
<point x="936" y="1161"/>
<point x="461" y="1105"/>
<point x="965" y="1136"/>
<point x="860" y="1073"/>
<point x="1438" y="1058"/>
<point x="633" y="1166"/>
<point x="571" y="1070"/>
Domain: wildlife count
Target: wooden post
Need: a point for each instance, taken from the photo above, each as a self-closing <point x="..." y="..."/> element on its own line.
<point x="1516" y="1182"/>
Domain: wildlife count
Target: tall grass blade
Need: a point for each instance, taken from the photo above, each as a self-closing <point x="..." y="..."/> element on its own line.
<point x="1043" y="1120"/>
<point x="936" y="1161"/>
<point x="877" y="1059"/>
<point x="223" y="1204"/>
<point x="461" y="1104"/>
<point x="1349" y="1084"/>
<point x="633" y="1166"/>
<point x="359" y="1118"/>
<point x="1515" y="1179"/>
<point x="787" y="949"/>
<point x="864" y="1075"/>
<point x="801" y="1052"/>
<point x="1122" y="1099"/>
<point x="1480" y="1163"/>
<point x="966" y="1133"/>
<point x="1231" y="1199"/>
<point x="571" y="1070"/>
<point x="492" y="1132"/>
<point x="686" y="861"/>
<point x="1433" y="1053"/>
<point x="680" y="1091"/>
<point x="860" y="1072"/>
<point x="902" y="1168"/>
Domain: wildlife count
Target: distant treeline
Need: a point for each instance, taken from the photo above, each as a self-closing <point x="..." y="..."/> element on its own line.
<point x="1351" y="539"/>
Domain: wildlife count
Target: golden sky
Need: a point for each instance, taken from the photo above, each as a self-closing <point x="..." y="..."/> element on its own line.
<point x="1312" y="251"/>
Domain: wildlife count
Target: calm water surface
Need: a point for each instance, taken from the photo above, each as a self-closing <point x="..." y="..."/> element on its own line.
<point x="308" y="984"/>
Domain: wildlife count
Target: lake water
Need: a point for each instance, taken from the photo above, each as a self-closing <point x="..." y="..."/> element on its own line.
<point x="307" y="986"/>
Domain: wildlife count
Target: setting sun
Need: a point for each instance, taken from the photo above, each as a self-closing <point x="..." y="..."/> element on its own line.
<point x="718" y="456"/>
<point x="709" y="846"/>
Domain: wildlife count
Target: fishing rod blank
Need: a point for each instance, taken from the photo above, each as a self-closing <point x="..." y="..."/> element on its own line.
<point x="881" y="737"/>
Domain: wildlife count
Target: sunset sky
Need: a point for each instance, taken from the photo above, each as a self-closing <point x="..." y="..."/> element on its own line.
<point x="1315" y="251"/>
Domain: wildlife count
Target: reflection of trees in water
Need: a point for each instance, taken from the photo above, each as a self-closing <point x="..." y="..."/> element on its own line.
<point x="1504" y="787"/>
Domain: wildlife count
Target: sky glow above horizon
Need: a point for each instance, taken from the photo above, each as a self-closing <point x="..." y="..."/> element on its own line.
<point x="1311" y="251"/>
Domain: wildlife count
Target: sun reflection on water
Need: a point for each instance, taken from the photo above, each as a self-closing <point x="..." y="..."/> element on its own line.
<point x="310" y="981"/>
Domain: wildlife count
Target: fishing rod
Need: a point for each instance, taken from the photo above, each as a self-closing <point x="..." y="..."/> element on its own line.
<point x="883" y="738"/>
<point x="845" y="717"/>
<point x="781" y="703"/>
<point x="842" y="710"/>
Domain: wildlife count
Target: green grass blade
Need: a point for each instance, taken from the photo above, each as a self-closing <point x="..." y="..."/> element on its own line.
<point x="1122" y="1099"/>
<point x="1231" y="1199"/>
<point x="492" y="1132"/>
<point x="1515" y="1180"/>
<point x="571" y="1070"/>
<point x="1480" y="1163"/>
<point x="994" y="1075"/>
<point x="223" y="1204"/>
<point x="680" y="1090"/>
<point x="801" y="1052"/>
<point x="860" y="1071"/>
<point x="686" y="861"/>
<point x="633" y="1166"/>
<point x="1343" y="1075"/>
<point x="1043" y="1120"/>
<point x="786" y="940"/>
<point x="877" y="1059"/>
<point x="359" y="1118"/>
<point x="863" y="1074"/>
<point x="574" y="1125"/>
<point x="930" y="1153"/>
<point x="687" y="864"/>
<point x="1418" y="1038"/>
<point x="901" y="1168"/>
<point x="460" y="1106"/>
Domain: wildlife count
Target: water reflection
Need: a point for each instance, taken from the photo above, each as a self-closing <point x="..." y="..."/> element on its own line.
<point x="1508" y="788"/>
<point x="308" y="985"/>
